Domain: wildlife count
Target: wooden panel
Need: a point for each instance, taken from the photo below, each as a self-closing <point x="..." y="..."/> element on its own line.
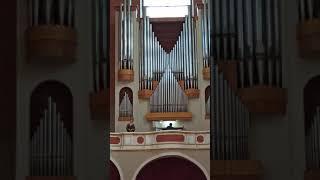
<point x="99" y="105"/>
<point x="167" y="30"/>
<point x="308" y="35"/>
<point x="236" y="169"/>
<point x="51" y="44"/>
<point x="313" y="174"/>
<point x="170" y="138"/>
<point x="264" y="99"/>
<point x="169" y="116"/>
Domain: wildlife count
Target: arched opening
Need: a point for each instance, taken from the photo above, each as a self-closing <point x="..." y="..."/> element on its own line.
<point x="125" y="104"/>
<point x="312" y="121"/>
<point x="171" y="168"/>
<point x="114" y="172"/>
<point x="51" y="127"/>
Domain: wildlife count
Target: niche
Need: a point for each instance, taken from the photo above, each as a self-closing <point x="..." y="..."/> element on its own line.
<point x="51" y="129"/>
<point x="125" y="104"/>
<point x="312" y="126"/>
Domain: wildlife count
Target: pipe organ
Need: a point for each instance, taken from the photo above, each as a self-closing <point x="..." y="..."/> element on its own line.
<point x="309" y="10"/>
<point x="100" y="55"/>
<point x="59" y="12"/>
<point x="248" y="31"/>
<point x="125" y="109"/>
<point x="51" y="36"/>
<point x="230" y="123"/>
<point x="308" y="29"/>
<point x="162" y="101"/>
<point x="51" y="151"/>
<point x="182" y="59"/>
<point x="127" y="21"/>
<point x="312" y="139"/>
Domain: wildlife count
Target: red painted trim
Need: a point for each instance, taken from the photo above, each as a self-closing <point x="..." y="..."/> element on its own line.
<point x="170" y="138"/>
<point x="200" y="139"/>
<point x="140" y="140"/>
<point x="114" y="140"/>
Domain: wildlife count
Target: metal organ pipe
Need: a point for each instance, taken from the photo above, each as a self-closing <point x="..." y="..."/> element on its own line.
<point x="46" y="145"/>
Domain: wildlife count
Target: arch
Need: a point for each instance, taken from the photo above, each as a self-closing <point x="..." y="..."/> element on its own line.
<point x="171" y="154"/>
<point x="123" y="91"/>
<point x="126" y="109"/>
<point x="311" y="99"/>
<point x="115" y="166"/>
<point x="61" y="95"/>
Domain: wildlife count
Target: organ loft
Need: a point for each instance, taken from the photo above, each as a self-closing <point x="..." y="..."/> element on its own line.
<point x="160" y="89"/>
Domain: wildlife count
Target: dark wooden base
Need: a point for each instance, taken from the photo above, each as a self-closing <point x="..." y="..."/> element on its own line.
<point x="313" y="174"/>
<point x="51" y="178"/>
<point x="99" y="105"/>
<point x="206" y="73"/>
<point x="308" y="36"/>
<point x="51" y="44"/>
<point x="236" y="169"/>
<point x="264" y="99"/>
<point x="125" y="118"/>
<point x="145" y="93"/>
<point x="192" y="93"/>
<point x="169" y="116"/>
<point x="125" y="75"/>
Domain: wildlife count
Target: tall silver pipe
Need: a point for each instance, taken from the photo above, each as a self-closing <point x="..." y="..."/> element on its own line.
<point x="310" y="9"/>
<point x="301" y="9"/>
<point x="260" y="61"/>
<point x="48" y="11"/>
<point x="35" y="12"/>
<point x="62" y="11"/>
<point x="70" y="12"/>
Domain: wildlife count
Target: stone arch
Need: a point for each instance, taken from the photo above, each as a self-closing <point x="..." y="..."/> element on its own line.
<point x="62" y="96"/>
<point x="115" y="166"/>
<point x="171" y="155"/>
<point x="311" y="99"/>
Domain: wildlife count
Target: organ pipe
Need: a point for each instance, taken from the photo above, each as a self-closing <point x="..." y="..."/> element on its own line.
<point x="126" y="36"/>
<point x="51" y="145"/>
<point x="168" y="96"/>
<point x="312" y="141"/>
<point x="231" y="123"/>
<point x="43" y="12"/>
<point x="181" y="59"/>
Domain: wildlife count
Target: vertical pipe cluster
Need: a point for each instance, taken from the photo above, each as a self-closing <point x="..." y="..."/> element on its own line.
<point x="100" y="55"/>
<point x="247" y="31"/>
<point x="127" y="19"/>
<point x="125" y="108"/>
<point x="309" y="10"/>
<point x="312" y="140"/>
<point x="231" y="123"/>
<point x="168" y="96"/>
<point x="153" y="58"/>
<point x="181" y="59"/>
<point x="205" y="35"/>
<point x="51" y="12"/>
<point x="51" y="147"/>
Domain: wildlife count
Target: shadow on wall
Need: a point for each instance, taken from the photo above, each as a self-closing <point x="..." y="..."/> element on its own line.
<point x="171" y="168"/>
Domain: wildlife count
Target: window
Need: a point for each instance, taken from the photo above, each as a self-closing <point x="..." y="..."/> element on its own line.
<point x="166" y="8"/>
